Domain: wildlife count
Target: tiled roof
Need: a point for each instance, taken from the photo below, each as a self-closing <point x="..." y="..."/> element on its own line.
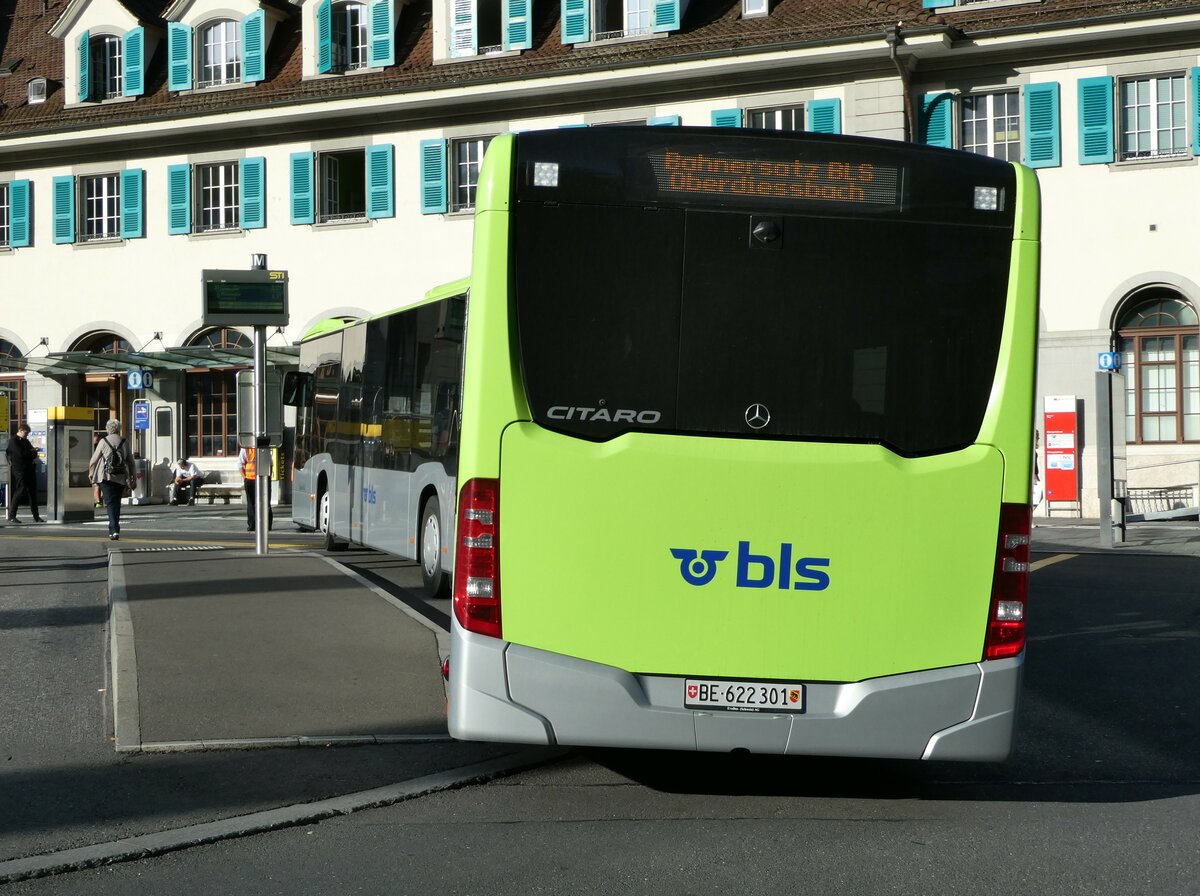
<point x="709" y="26"/>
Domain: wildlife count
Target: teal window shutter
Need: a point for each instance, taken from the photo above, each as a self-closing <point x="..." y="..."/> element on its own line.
<point x="1042" y="141"/>
<point x="518" y="32"/>
<point x="727" y="118"/>
<point x="433" y="177"/>
<point x="133" y="62"/>
<point x="666" y="16"/>
<point x="304" y="206"/>
<point x="179" y="198"/>
<point x="18" y="214"/>
<point x="253" y="34"/>
<point x="824" y="116"/>
<point x="1195" y="111"/>
<point x="665" y="120"/>
<point x="252" y="210"/>
<point x="324" y="37"/>
<point x="937" y="120"/>
<point x="85" y="83"/>
<point x="383" y="46"/>
<point x="179" y="56"/>
<point x="133" y="200"/>
<point x="380" y="188"/>
<point x="576" y="26"/>
<point x="64" y="209"/>
<point x="936" y="4"/>
<point x="1096" y="137"/>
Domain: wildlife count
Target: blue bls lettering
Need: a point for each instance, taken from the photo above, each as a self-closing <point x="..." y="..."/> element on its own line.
<point x="758" y="570"/>
<point x="368" y="494"/>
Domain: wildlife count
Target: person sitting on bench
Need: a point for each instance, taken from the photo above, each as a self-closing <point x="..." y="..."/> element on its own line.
<point x="186" y="480"/>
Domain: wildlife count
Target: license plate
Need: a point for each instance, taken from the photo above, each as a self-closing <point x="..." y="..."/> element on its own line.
<point x="743" y="696"/>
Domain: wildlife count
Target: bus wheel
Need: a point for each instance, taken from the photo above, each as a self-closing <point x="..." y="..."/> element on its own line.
<point x="324" y="524"/>
<point x="435" y="582"/>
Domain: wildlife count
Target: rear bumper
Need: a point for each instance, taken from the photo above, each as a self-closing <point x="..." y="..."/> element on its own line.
<point x="506" y="692"/>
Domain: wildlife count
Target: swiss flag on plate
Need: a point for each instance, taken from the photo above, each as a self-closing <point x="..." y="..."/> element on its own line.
<point x="692" y="691"/>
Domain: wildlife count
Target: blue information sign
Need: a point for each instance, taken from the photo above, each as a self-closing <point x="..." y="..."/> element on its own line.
<point x="141" y="414"/>
<point x="1110" y="360"/>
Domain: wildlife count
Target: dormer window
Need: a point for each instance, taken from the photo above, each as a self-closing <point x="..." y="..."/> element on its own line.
<point x="354" y="35"/>
<point x="220" y="54"/>
<point x="105" y="67"/>
<point x="100" y="72"/>
<point x="35" y="91"/>
<point x="601" y="20"/>
<point x="226" y="52"/>
<point x="348" y="41"/>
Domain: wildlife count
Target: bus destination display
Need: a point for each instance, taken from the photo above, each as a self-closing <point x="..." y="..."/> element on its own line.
<point x="825" y="181"/>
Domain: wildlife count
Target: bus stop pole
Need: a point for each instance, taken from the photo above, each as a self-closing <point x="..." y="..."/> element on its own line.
<point x="262" y="453"/>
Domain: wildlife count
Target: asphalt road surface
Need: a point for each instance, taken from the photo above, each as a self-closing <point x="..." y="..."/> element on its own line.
<point x="1100" y="797"/>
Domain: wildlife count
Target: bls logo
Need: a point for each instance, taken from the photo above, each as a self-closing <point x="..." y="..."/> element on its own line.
<point x="368" y="494"/>
<point x="756" y="570"/>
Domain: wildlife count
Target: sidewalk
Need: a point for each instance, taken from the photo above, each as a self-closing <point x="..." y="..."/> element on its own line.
<point x="220" y="648"/>
<point x="1059" y="535"/>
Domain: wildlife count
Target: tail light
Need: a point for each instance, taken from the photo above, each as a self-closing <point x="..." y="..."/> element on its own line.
<point x="477" y="558"/>
<point x="1010" y="585"/>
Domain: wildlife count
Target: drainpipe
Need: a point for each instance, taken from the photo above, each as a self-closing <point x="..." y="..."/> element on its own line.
<point x="895" y="38"/>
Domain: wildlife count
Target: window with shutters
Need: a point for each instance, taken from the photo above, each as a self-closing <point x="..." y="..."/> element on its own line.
<point x="1159" y="340"/>
<point x="466" y="157"/>
<point x="99" y="207"/>
<point x="104" y="67"/>
<point x="622" y="18"/>
<point x="216" y="196"/>
<point x="1153" y="117"/>
<point x="990" y="125"/>
<point x="218" y="54"/>
<point x="348" y="42"/>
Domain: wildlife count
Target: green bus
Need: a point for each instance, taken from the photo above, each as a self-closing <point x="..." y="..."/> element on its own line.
<point x="742" y="450"/>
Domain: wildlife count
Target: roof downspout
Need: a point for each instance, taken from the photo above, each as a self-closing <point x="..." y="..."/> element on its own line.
<point x="895" y="38"/>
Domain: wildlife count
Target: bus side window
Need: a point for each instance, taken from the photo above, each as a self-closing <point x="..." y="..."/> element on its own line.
<point x="297" y="389"/>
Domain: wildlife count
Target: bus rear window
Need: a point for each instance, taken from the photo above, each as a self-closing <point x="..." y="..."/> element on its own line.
<point x="735" y="322"/>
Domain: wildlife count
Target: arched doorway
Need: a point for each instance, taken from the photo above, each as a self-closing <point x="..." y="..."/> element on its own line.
<point x="12" y="385"/>
<point x="104" y="393"/>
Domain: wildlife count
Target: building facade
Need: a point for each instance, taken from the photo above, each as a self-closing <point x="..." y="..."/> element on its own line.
<point x="142" y="142"/>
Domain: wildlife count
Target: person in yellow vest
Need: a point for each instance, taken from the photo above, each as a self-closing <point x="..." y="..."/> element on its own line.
<point x="247" y="463"/>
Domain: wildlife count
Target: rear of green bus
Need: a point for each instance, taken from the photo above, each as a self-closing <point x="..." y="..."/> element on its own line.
<point x="746" y="445"/>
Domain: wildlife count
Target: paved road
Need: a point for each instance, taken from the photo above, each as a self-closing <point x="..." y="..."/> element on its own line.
<point x="1101" y="797"/>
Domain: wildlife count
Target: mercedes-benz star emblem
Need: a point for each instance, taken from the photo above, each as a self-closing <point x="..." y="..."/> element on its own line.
<point x="757" y="416"/>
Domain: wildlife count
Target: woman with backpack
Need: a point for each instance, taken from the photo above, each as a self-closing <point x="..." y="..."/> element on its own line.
<point x="111" y="468"/>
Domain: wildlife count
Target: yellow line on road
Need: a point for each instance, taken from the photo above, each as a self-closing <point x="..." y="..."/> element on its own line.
<point x="1050" y="561"/>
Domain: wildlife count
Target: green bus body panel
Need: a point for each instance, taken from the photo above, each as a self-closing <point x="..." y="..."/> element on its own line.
<point x="586" y="566"/>
<point x="587" y="528"/>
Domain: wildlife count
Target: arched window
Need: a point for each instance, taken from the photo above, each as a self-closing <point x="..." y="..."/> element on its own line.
<point x="12" y="386"/>
<point x="220" y="52"/>
<point x="104" y="67"/>
<point x="212" y="399"/>
<point x="1159" y="338"/>
<point x="104" y="392"/>
<point x="349" y="40"/>
<point x="103" y="344"/>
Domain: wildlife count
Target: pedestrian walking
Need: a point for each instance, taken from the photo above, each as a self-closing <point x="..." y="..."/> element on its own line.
<point x="111" y="468"/>
<point x="22" y="461"/>
<point x="247" y="463"/>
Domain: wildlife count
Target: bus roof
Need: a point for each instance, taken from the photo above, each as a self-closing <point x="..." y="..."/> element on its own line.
<point x="437" y="293"/>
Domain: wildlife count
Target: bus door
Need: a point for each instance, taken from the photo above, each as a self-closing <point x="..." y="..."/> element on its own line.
<point x="348" y="457"/>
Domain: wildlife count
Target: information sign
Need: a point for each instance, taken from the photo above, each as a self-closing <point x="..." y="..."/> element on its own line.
<point x="1109" y="361"/>
<point x="1062" y="448"/>
<point x="139" y="379"/>
<point x="141" y="414"/>
<point x="244" y="298"/>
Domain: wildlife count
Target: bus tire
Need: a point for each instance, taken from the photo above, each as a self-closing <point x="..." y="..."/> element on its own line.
<point x="435" y="581"/>
<point x="324" y="523"/>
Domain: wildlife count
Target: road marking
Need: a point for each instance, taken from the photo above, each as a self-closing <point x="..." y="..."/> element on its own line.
<point x="117" y="545"/>
<point x="1050" y="561"/>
